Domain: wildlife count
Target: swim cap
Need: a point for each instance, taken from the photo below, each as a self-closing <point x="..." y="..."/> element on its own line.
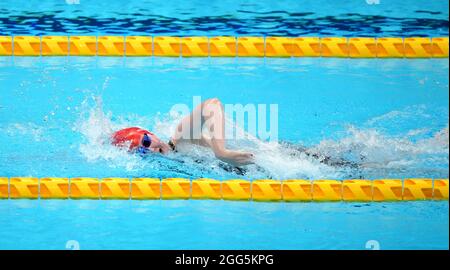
<point x="131" y="134"/>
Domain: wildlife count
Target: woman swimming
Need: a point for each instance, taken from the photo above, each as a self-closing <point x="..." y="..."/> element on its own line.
<point x="207" y="116"/>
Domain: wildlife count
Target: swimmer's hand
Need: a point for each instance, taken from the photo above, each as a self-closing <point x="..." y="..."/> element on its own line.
<point x="236" y="158"/>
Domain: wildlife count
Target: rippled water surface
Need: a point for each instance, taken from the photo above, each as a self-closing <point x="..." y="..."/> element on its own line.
<point x="384" y="118"/>
<point x="237" y="17"/>
<point x="221" y="225"/>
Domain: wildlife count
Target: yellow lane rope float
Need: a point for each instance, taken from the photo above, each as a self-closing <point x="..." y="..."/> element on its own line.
<point x="225" y="46"/>
<point x="291" y="190"/>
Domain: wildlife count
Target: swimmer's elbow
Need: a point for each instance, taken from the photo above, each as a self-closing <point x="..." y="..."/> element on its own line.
<point x="220" y="154"/>
<point x="214" y="100"/>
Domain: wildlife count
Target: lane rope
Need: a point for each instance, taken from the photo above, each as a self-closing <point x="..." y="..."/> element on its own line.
<point x="291" y="190"/>
<point x="225" y="46"/>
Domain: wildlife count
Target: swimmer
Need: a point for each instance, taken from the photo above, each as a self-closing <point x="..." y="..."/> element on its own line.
<point x="211" y="116"/>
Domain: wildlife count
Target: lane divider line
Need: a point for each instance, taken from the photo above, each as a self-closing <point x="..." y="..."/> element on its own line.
<point x="291" y="190"/>
<point x="225" y="46"/>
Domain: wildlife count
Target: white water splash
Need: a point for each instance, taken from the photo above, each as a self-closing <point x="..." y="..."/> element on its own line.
<point x="368" y="147"/>
<point x="374" y="149"/>
<point x="24" y="129"/>
<point x="279" y="160"/>
<point x="97" y="128"/>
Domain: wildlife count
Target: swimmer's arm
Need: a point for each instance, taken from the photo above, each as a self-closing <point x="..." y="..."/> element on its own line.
<point x="212" y="111"/>
<point x="236" y="158"/>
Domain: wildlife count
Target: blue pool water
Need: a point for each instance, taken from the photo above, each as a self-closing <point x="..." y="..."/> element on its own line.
<point x="386" y="118"/>
<point x="234" y="17"/>
<point x="55" y="114"/>
<point x="222" y="225"/>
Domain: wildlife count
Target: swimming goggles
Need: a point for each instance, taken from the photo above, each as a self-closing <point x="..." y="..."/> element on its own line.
<point x="146" y="142"/>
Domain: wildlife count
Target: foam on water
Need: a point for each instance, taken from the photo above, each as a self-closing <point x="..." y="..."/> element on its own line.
<point x="24" y="129"/>
<point x="96" y="129"/>
<point x="371" y="148"/>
